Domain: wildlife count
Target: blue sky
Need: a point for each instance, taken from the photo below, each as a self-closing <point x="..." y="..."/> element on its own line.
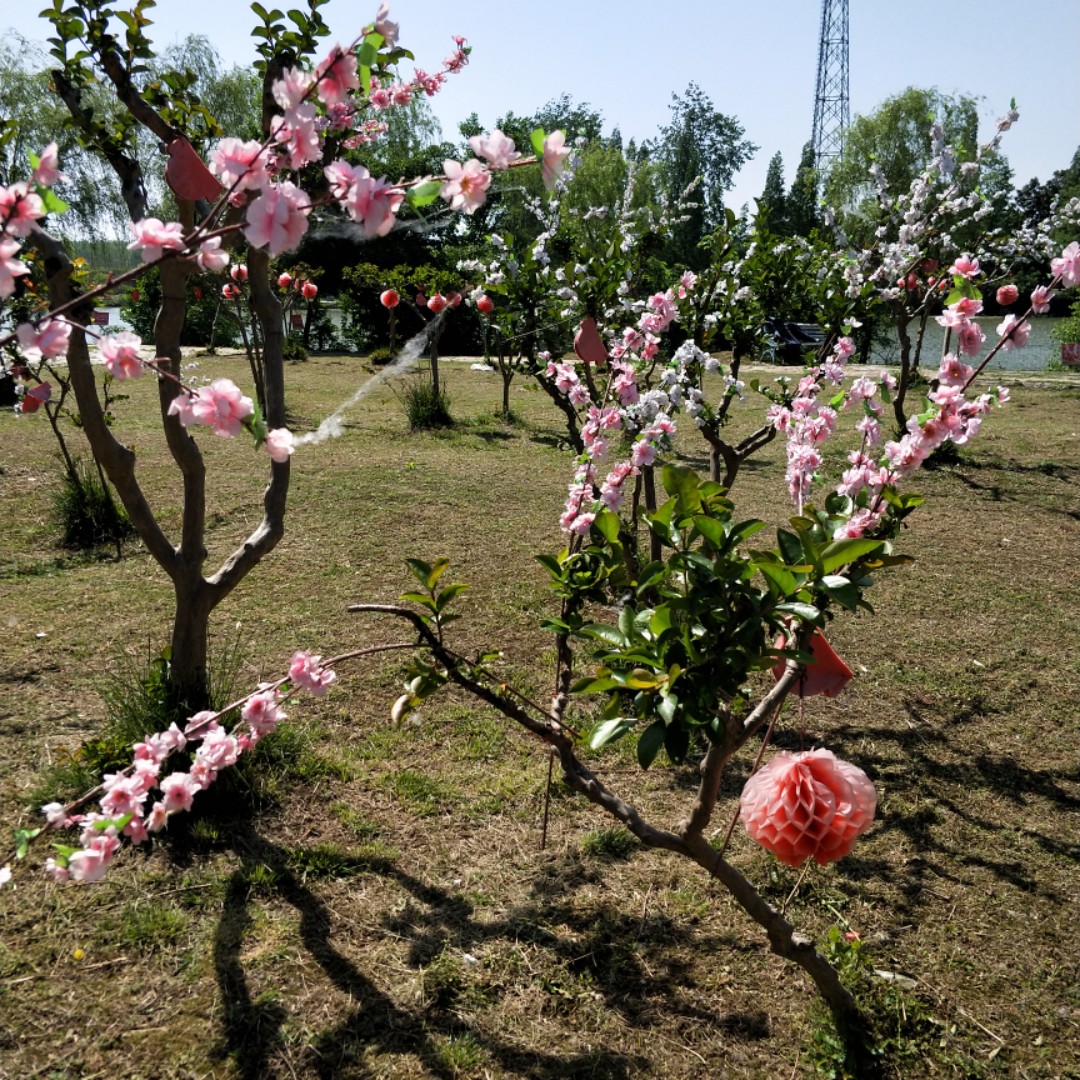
<point x="756" y="60"/>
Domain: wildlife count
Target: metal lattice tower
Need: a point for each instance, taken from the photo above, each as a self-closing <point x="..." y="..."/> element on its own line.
<point x="832" y="110"/>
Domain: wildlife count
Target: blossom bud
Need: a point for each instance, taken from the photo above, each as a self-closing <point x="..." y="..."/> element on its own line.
<point x="390" y="299"/>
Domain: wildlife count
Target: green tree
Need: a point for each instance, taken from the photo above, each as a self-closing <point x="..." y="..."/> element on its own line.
<point x="700" y="142"/>
<point x="802" y="215"/>
<point x="773" y="200"/>
<point x="896" y="140"/>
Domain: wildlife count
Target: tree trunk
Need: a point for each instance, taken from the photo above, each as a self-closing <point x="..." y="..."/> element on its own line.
<point x="507" y="379"/>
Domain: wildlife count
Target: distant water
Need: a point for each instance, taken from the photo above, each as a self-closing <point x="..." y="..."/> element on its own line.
<point x="1042" y="346"/>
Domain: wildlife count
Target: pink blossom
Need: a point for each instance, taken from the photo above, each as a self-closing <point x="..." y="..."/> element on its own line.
<point x="121" y="355"/>
<point x="48" y="171"/>
<point x="239" y="272"/>
<point x="497" y="149"/>
<point x="1040" y="300"/>
<point x="554" y="157"/>
<point x="240" y="165"/>
<point x="436" y="303"/>
<point x="384" y="26"/>
<point x="1014" y="332"/>
<point x="309" y="290"/>
<point x="372" y="202"/>
<point x="47" y="341"/>
<point x="284" y="281"/>
<point x="280" y="443"/>
<point x="402" y="94"/>
<point x="10" y="268"/>
<point x="1068" y="266"/>
<point x="307" y="671"/>
<point x="211" y="258"/>
<point x="390" y="298"/>
<point x="90" y="864"/>
<point x="277" y="219"/>
<point x="1008" y="294"/>
<point x="808" y="805"/>
<point x="970" y="338"/>
<point x="954" y="372"/>
<point x="643" y="453"/>
<point x="291" y="89"/>
<point x="465" y="187"/>
<point x="19" y="208"/>
<point x="297" y="132"/>
<point x="178" y="790"/>
<point x="229" y="291"/>
<point x="55" y="815"/>
<point x="157" y="818"/>
<point x="336" y="77"/>
<point x="965" y="266"/>
<point x="58" y="873"/>
<point x="220" y="406"/>
<point x="485" y="304"/>
<point x="262" y="712"/>
<point x="844" y="348"/>
<point x="153" y="238"/>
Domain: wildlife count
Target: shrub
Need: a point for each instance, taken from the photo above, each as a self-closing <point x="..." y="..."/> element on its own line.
<point x="380" y="356"/>
<point x="425" y="408"/>
<point x="86" y="512"/>
<point x="294" y="348"/>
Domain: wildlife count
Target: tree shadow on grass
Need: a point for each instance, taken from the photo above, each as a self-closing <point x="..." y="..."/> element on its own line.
<point x="594" y="950"/>
<point x="932" y="776"/>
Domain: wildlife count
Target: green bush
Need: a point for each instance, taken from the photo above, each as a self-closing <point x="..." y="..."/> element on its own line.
<point x="425" y="408"/>
<point x="86" y="512"/>
<point x="294" y="348"/>
<point x="380" y="356"/>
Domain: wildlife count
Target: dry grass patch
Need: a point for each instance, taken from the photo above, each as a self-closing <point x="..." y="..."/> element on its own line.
<point x="371" y="900"/>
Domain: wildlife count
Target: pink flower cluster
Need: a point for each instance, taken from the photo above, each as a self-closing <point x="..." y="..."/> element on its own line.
<point x="808" y="806"/>
<point x="373" y="203"/>
<point x="123" y="806"/>
<point x="220" y="406"/>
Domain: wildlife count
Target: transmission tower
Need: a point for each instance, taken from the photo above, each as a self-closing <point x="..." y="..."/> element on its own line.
<point x="832" y="111"/>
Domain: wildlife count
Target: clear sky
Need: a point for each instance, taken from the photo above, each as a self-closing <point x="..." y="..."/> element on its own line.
<point x="756" y="60"/>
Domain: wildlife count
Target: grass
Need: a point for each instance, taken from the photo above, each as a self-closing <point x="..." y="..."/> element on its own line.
<point x="371" y="898"/>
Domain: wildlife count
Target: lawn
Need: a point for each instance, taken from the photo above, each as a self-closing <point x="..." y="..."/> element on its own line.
<point x="372" y="899"/>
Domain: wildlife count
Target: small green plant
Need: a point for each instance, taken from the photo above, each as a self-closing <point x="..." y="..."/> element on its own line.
<point x="900" y="1028"/>
<point x="151" y="925"/>
<point x="424" y="407"/>
<point x="612" y="843"/>
<point x="293" y="348"/>
<point x="461" y="1055"/>
<point x="86" y="512"/>
<point x="381" y="356"/>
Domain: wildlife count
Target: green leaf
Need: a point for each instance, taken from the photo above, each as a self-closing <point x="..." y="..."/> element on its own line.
<point x="51" y="201"/>
<point x="652" y="738"/>
<point x="711" y="529"/>
<point x="419" y="598"/>
<point x="596" y="686"/>
<point x="626" y="622"/>
<point x="779" y="576"/>
<point x="609" y="634"/>
<point x="438" y="568"/>
<point x="22" y="840"/>
<point x="660" y="621"/>
<point x="423" y="194"/>
<point x="448" y="594"/>
<point x="420" y="570"/>
<point x="679" y="480"/>
<point x="610" y="730"/>
<point x="806" y="612"/>
<point x="840" y="589"/>
<point x="790" y="547"/>
<point x="607" y="525"/>
<point x="537" y="137"/>
<point x="841" y="552"/>
<point x="676" y="742"/>
<point x="642" y="679"/>
<point x="667" y="708"/>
